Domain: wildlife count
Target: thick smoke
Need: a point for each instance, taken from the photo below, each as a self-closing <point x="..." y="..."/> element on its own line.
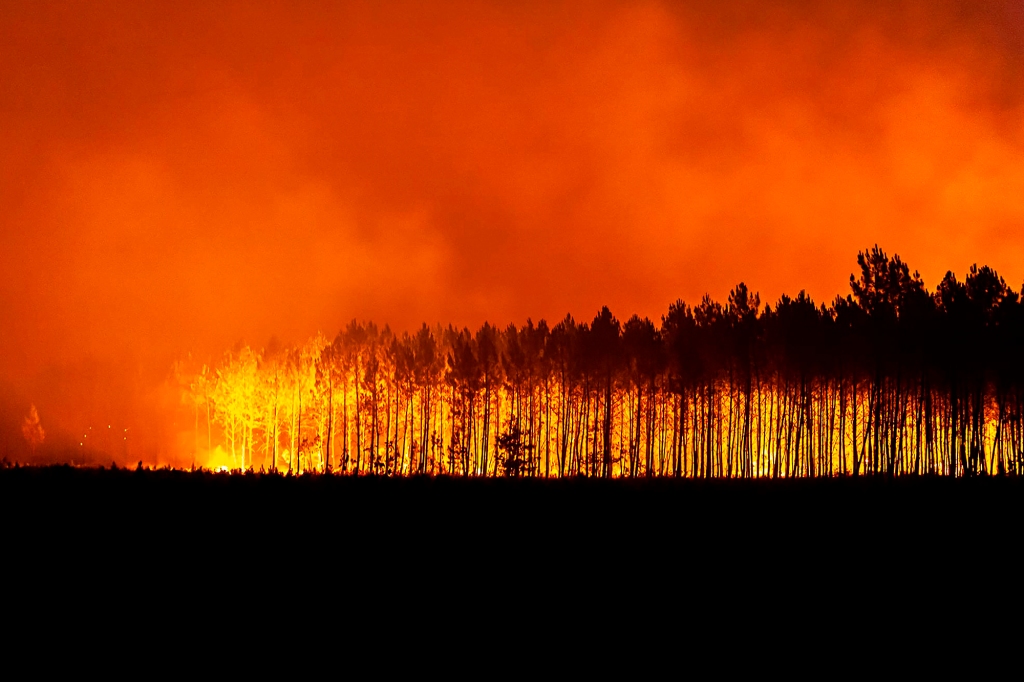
<point x="179" y="177"/>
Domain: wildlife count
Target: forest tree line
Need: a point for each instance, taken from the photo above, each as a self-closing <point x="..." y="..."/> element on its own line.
<point x="891" y="379"/>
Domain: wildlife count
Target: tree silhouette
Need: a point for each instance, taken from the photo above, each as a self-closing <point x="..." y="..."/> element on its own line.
<point x="890" y="379"/>
<point x="32" y="430"/>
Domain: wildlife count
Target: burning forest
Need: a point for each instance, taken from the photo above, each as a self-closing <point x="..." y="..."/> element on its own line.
<point x="892" y="379"/>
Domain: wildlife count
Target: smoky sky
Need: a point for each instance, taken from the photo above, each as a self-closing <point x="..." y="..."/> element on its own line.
<point x="179" y="176"/>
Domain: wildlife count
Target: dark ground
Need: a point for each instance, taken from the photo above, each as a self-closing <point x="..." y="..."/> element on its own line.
<point x="882" y="556"/>
<point x="85" y="515"/>
<point x="584" y="567"/>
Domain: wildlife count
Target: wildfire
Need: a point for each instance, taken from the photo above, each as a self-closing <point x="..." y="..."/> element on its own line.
<point x="719" y="390"/>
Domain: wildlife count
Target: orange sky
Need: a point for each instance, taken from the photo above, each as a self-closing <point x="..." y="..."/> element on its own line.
<point x="180" y="175"/>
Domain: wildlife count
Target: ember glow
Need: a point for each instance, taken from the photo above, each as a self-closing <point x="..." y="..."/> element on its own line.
<point x="177" y="178"/>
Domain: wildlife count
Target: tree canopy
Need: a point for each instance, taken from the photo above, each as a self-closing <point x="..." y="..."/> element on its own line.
<point x="892" y="378"/>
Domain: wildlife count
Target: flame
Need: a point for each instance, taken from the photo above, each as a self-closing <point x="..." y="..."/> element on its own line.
<point x="217" y="459"/>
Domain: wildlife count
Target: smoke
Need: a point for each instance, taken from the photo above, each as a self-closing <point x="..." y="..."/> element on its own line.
<point x="181" y="177"/>
<point x="32" y="430"/>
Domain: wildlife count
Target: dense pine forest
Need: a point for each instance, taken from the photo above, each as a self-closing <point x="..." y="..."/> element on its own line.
<point x="891" y="379"/>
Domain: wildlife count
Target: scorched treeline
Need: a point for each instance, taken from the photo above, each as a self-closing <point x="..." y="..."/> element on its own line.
<point x="890" y="379"/>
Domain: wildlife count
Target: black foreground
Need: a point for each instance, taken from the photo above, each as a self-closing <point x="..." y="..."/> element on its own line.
<point x="339" y="525"/>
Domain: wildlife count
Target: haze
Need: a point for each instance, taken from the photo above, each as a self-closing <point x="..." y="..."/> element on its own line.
<point x="179" y="177"/>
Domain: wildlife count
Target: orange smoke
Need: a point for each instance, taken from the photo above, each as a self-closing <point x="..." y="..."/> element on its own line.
<point x="184" y="176"/>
